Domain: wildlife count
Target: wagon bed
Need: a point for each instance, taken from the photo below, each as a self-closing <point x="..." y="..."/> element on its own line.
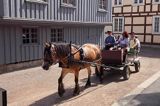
<point x="113" y="60"/>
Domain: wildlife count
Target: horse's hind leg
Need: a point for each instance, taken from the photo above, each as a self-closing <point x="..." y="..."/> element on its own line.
<point x="76" y="90"/>
<point x="99" y="70"/>
<point x="89" y="75"/>
<point x="61" y="90"/>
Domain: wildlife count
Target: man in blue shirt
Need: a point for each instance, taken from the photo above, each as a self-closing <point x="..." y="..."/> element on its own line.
<point x="109" y="41"/>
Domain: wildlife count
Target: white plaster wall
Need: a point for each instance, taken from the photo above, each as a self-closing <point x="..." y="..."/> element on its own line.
<point x="117" y="10"/>
<point x="141" y="38"/>
<point x="148" y="8"/>
<point x="141" y="8"/>
<point x="127" y="9"/>
<point x="156" y="39"/>
<point x="128" y="29"/>
<point x="107" y="28"/>
<point x="138" y="29"/>
<point x="128" y="20"/>
<point x="155" y="7"/>
<point x="127" y="2"/>
<point x="138" y="20"/>
<point x="148" y="1"/>
<point x="134" y="8"/>
<point x="148" y="29"/>
<point x="148" y="38"/>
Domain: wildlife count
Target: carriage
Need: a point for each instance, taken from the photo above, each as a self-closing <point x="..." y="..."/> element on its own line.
<point x="74" y="58"/>
<point x="114" y="60"/>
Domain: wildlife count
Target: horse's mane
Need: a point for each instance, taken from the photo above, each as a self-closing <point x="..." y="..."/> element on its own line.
<point x="47" y="50"/>
<point x="62" y="49"/>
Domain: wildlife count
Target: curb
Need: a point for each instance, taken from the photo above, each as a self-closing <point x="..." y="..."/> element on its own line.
<point x="137" y="91"/>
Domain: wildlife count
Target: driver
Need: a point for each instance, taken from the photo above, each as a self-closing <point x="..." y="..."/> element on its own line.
<point x="109" y="41"/>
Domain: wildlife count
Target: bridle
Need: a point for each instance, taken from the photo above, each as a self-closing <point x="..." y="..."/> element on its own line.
<point x="53" y="54"/>
<point x="53" y="57"/>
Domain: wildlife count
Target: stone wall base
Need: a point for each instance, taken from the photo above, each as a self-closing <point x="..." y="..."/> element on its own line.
<point x="18" y="66"/>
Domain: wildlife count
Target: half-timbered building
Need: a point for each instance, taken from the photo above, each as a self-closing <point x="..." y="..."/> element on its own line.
<point x="139" y="16"/>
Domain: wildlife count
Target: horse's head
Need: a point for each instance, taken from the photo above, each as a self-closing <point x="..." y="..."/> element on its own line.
<point x="50" y="56"/>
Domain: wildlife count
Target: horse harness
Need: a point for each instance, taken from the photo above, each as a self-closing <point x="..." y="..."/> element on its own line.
<point x="70" y="57"/>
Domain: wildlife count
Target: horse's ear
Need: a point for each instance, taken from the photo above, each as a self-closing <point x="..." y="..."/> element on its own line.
<point x="50" y="44"/>
<point x="47" y="45"/>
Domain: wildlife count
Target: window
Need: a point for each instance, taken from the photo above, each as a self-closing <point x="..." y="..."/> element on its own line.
<point x="156" y="1"/>
<point x="118" y="24"/>
<point x="69" y="2"/>
<point x="37" y="1"/>
<point x="30" y="35"/>
<point x="156" y="24"/>
<point x="103" y="4"/>
<point x="40" y="0"/>
<point x="117" y="2"/>
<point x="57" y="35"/>
<point x="138" y="1"/>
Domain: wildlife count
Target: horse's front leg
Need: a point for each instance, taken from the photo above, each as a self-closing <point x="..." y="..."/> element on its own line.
<point x="89" y="75"/>
<point x="61" y="89"/>
<point x="76" y="90"/>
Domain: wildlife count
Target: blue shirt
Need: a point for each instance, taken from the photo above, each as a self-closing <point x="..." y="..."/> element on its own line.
<point x="110" y="39"/>
<point x="124" y="42"/>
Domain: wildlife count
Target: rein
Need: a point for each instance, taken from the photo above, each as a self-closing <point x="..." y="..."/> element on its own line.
<point x="72" y="54"/>
<point x="70" y="60"/>
<point x="88" y="62"/>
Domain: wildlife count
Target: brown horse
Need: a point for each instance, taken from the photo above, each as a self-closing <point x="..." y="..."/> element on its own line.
<point x="69" y="58"/>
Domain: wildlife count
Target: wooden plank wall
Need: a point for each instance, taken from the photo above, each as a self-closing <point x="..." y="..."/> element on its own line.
<point x="14" y="51"/>
<point x="84" y="11"/>
<point x="1" y="8"/>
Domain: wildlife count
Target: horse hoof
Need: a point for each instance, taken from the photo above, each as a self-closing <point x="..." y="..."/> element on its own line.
<point x="101" y="82"/>
<point x="61" y="93"/>
<point x="87" y="85"/>
<point x="76" y="93"/>
<point x="101" y="79"/>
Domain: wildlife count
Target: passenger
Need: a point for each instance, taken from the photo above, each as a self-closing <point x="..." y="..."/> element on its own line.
<point x="133" y="44"/>
<point x="138" y="43"/>
<point x="124" y="41"/>
<point x="124" y="44"/>
<point x="109" y="41"/>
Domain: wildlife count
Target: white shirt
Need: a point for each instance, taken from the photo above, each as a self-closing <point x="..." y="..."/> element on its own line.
<point x="138" y="42"/>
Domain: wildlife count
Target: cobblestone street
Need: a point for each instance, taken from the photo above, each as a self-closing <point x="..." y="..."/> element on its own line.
<point x="36" y="87"/>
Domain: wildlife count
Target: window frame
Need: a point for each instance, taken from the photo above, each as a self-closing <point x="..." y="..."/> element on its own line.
<point x="156" y="2"/>
<point x="118" y="24"/>
<point x="69" y="5"/>
<point x="135" y="4"/>
<point x="57" y="37"/>
<point x="102" y="9"/>
<point x="153" y="24"/>
<point x="30" y="36"/>
<point x="37" y="1"/>
<point x="116" y="5"/>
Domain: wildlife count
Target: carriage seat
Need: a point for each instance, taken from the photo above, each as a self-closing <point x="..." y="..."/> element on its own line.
<point x="112" y="57"/>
